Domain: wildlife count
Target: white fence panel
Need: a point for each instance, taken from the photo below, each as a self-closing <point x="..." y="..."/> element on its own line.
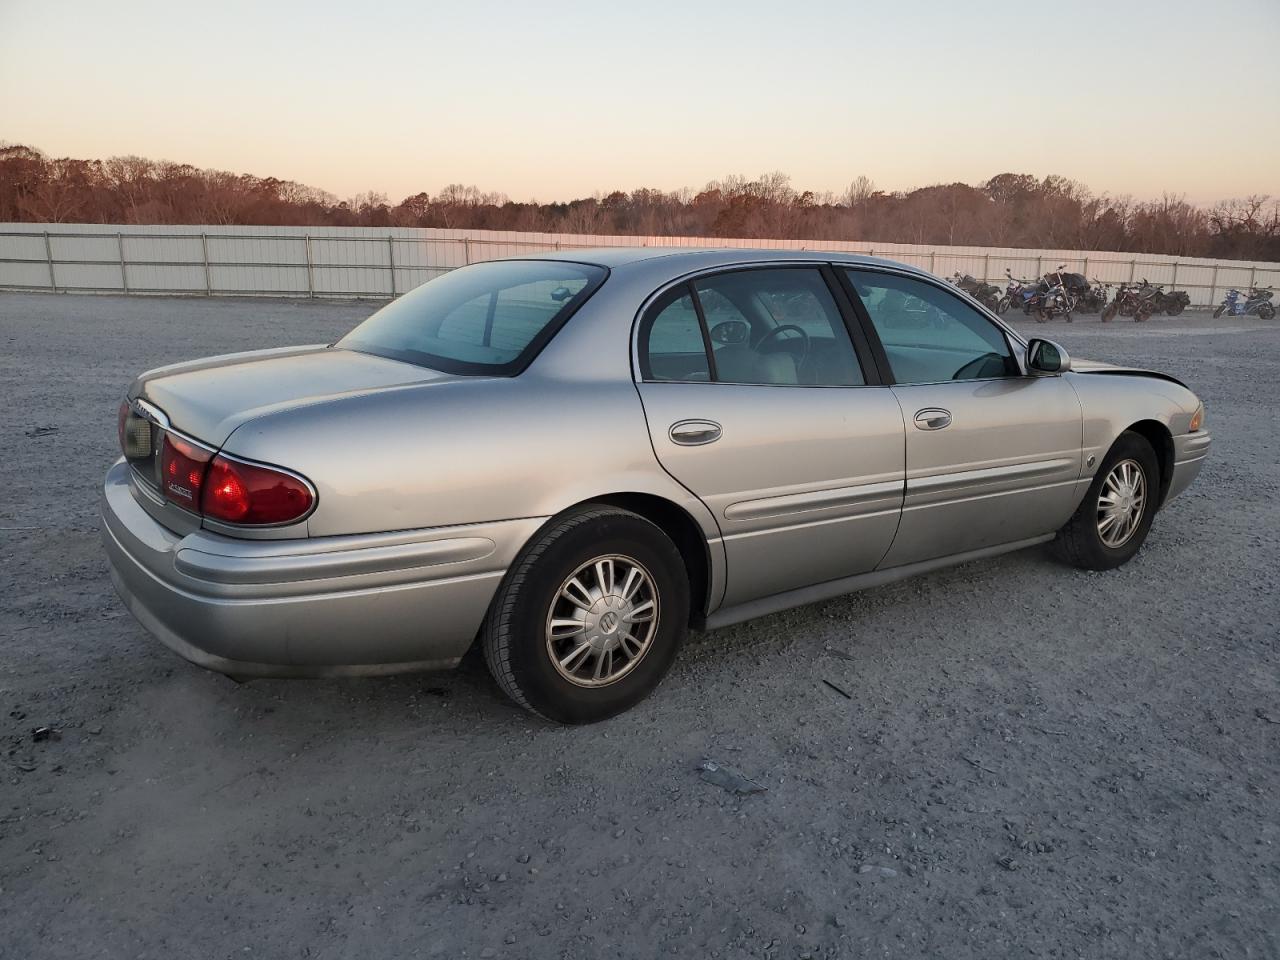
<point x="385" y="262"/>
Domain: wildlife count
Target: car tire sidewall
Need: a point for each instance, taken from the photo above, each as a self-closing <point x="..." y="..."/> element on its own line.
<point x="547" y="692"/>
<point x="1130" y="446"/>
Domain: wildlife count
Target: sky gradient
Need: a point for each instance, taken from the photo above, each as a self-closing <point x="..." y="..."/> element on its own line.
<point x="555" y="100"/>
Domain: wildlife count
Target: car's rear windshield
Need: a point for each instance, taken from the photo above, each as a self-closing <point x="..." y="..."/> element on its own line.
<point x="488" y="318"/>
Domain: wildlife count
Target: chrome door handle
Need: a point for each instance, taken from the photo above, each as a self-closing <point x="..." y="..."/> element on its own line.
<point x="933" y="418"/>
<point x="694" y="433"/>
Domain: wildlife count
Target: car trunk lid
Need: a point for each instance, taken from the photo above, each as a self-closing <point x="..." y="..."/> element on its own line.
<point x="208" y="399"/>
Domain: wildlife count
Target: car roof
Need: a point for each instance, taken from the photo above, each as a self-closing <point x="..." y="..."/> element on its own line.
<point x="678" y="258"/>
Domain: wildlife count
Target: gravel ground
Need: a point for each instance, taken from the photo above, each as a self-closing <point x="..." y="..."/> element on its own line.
<point x="1033" y="760"/>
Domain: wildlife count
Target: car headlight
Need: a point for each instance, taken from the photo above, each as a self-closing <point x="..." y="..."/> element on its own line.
<point x="1197" y="419"/>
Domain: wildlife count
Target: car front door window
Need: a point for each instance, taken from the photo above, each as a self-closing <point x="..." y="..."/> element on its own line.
<point x="930" y="335"/>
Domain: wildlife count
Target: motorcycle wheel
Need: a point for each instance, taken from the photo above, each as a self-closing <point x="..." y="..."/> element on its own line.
<point x="1217" y="313"/>
<point x="1109" y="312"/>
<point x="1002" y="305"/>
<point x="1068" y="316"/>
<point x="1175" y="308"/>
<point x="1266" y="311"/>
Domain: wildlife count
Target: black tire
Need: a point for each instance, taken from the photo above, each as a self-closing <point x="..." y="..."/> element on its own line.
<point x="1218" y="312"/>
<point x="1079" y="542"/>
<point x="1002" y="305"/>
<point x="1176" y="308"/>
<point x="1266" y="311"/>
<point x="514" y="634"/>
<point x="1109" y="312"/>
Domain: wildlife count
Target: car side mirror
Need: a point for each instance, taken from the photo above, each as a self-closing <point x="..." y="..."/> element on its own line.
<point x="730" y="331"/>
<point x="1046" y="358"/>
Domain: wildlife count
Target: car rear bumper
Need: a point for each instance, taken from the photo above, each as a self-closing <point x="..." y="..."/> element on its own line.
<point x="1189" y="453"/>
<point x="325" y="606"/>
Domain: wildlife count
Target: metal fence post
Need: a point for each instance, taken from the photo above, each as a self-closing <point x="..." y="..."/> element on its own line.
<point x="1039" y="267"/>
<point x="1173" y="284"/>
<point x="1086" y="268"/>
<point x="932" y="254"/>
<point x="466" y="249"/>
<point x="48" y="252"/>
<point x="124" y="274"/>
<point x="1133" y="271"/>
<point x="1213" y="286"/>
<point x="208" y="276"/>
<point x="311" y="270"/>
<point x="391" y="260"/>
<point x="986" y="268"/>
<point x="1253" y="278"/>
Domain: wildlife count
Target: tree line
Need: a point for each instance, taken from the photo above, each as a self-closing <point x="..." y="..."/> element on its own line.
<point x="1009" y="210"/>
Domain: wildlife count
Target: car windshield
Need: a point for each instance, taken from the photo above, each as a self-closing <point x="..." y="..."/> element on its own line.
<point x="488" y="318"/>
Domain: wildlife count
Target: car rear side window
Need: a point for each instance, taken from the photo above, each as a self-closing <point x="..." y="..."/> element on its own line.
<point x="673" y="347"/>
<point x="930" y="335"/>
<point x="489" y="318"/>
<point x="775" y="326"/>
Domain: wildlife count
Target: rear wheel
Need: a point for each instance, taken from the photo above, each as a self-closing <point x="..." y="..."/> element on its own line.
<point x="1109" y="312"/>
<point x="1175" y="308"/>
<point x="1112" y="521"/>
<point x="589" y="618"/>
<point x="1218" y="312"/>
<point x="1266" y="311"/>
<point x="1002" y="305"/>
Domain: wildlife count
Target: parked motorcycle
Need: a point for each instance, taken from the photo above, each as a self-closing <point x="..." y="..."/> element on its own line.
<point x="1132" y="300"/>
<point x="985" y="293"/>
<point x="1095" y="297"/>
<point x="1075" y="284"/>
<point x="1174" y="302"/>
<point x="1015" y="292"/>
<point x="1057" y="299"/>
<point x="1257" y="302"/>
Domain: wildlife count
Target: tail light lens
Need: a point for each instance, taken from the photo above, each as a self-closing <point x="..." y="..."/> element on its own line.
<point x="182" y="471"/>
<point x="238" y="492"/>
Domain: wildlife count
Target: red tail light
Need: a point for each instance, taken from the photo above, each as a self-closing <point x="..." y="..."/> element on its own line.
<point x="182" y="468"/>
<point x="238" y="492"/>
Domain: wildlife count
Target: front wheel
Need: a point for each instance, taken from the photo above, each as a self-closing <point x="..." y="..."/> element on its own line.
<point x="1266" y="311"/>
<point x="1218" y="312"/>
<point x="589" y="618"/>
<point x="1002" y="305"/>
<point x="1111" y="523"/>
<point x="1109" y="312"/>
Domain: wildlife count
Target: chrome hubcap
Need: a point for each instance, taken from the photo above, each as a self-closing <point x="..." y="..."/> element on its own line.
<point x="1120" y="503"/>
<point x="602" y="621"/>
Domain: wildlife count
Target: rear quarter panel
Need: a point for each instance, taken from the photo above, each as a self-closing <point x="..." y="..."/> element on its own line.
<point x="465" y="452"/>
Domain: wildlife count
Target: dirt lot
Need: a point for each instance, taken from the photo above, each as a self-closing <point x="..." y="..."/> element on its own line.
<point x="1117" y="736"/>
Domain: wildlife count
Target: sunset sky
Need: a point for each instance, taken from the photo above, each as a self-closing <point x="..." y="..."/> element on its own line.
<point x="553" y="100"/>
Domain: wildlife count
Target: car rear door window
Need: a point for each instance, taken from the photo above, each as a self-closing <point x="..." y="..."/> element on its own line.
<point x="777" y="326"/>
<point x="930" y="335"/>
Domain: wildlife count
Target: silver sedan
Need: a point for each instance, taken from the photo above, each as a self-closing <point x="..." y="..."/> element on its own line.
<point x="577" y="458"/>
